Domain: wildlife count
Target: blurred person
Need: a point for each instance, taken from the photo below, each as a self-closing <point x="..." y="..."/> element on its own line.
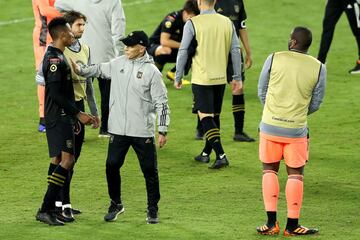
<point x="44" y="12"/>
<point x="333" y="12"/>
<point x="216" y="38"/>
<point x="137" y="95"/>
<point x="105" y="28"/>
<point x="60" y="116"/>
<point x="235" y="10"/>
<point x="291" y="87"/>
<point x="165" y="41"/>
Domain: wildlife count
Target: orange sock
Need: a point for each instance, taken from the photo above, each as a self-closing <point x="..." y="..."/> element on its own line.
<point x="294" y="195"/>
<point x="41" y="98"/>
<point x="270" y="189"/>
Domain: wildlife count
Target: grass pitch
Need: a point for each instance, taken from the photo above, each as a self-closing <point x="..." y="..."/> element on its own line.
<point x="196" y="203"/>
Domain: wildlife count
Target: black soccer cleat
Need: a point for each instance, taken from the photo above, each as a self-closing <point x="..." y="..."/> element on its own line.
<point x="268" y="230"/>
<point x="243" y="137"/>
<point x="152" y="217"/>
<point x="75" y="211"/>
<point x="203" y="159"/>
<point x="48" y="218"/>
<point x="114" y="210"/>
<point x="65" y="215"/>
<point x="220" y="163"/>
<point x="300" y="230"/>
<point x="199" y="134"/>
<point x="356" y="69"/>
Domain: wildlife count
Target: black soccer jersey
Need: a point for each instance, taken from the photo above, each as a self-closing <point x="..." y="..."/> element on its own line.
<point x="234" y="9"/>
<point x="59" y="91"/>
<point x="173" y="24"/>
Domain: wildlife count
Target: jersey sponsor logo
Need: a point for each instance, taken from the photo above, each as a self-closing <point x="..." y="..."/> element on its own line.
<point x="237" y="8"/>
<point x="178" y="31"/>
<point x="242" y="24"/>
<point x="168" y="24"/>
<point x="53" y="68"/>
<point x="139" y="75"/>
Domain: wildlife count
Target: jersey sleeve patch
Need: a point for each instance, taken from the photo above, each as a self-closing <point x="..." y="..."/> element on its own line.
<point x="53" y="67"/>
<point x="168" y="24"/>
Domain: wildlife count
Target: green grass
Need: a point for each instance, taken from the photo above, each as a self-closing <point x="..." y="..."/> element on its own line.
<point x="196" y="203"/>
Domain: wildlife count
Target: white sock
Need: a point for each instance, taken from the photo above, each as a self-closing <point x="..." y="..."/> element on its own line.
<point x="66" y="206"/>
<point x="58" y="204"/>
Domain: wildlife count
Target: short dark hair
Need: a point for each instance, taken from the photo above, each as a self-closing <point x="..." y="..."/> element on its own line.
<point x="191" y="6"/>
<point x="72" y="16"/>
<point x="56" y="26"/>
<point x="303" y="37"/>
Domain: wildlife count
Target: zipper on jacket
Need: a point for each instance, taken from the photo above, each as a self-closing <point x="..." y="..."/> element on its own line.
<point x="126" y="99"/>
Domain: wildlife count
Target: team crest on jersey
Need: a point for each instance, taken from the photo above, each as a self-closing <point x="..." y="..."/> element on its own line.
<point x="139" y="74"/>
<point x="168" y="24"/>
<point x="53" y="68"/>
<point x="69" y="143"/>
<point x="237" y="8"/>
<point x="219" y="10"/>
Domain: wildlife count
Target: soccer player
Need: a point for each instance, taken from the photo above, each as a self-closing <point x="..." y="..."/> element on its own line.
<point x="235" y="10"/>
<point x="60" y="115"/>
<point x="216" y="39"/>
<point x="138" y="94"/>
<point x="105" y="28"/>
<point x="291" y="86"/>
<point x="165" y="41"/>
<point x="44" y="12"/>
<point x="333" y="12"/>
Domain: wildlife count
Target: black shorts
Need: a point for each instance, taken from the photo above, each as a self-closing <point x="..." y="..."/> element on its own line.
<point x="60" y="138"/>
<point x="207" y="99"/>
<point x="230" y="70"/>
<point x="162" y="59"/>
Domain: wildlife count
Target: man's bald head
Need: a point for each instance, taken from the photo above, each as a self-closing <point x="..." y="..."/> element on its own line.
<point x="302" y="37"/>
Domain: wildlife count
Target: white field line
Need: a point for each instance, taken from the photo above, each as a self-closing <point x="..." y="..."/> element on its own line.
<point x="20" y="20"/>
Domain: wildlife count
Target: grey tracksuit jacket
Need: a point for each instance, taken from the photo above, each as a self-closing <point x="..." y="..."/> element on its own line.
<point x="137" y="95"/>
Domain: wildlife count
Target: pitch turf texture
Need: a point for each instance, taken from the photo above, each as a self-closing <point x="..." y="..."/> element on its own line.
<point x="196" y="203"/>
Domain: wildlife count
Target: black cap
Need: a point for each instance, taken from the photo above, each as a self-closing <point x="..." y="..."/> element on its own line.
<point x="136" y="37"/>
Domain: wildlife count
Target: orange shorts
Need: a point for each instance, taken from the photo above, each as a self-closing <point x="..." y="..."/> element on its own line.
<point x="295" y="151"/>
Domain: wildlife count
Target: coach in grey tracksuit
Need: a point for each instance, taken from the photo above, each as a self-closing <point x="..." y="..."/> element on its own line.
<point x="137" y="95"/>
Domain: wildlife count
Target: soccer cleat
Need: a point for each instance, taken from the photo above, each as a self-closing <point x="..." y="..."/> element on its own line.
<point x="152" y="217"/>
<point x="103" y="134"/>
<point x="300" y="230"/>
<point x="199" y="134"/>
<point x="220" y="163"/>
<point x="41" y="128"/>
<point x="242" y="137"/>
<point x="75" y="211"/>
<point x="48" y="218"/>
<point x="67" y="213"/>
<point x="267" y="230"/>
<point x="114" y="210"/>
<point x="171" y="76"/>
<point x="203" y="159"/>
<point x="356" y="69"/>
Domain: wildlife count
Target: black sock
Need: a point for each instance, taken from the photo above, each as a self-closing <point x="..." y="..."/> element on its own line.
<point x="51" y="169"/>
<point x="292" y="223"/>
<point x="65" y="191"/>
<point x="212" y="134"/>
<point x="217" y="120"/>
<point x="42" y="121"/>
<point x="238" y="109"/>
<point x="56" y="182"/>
<point x="271" y="219"/>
